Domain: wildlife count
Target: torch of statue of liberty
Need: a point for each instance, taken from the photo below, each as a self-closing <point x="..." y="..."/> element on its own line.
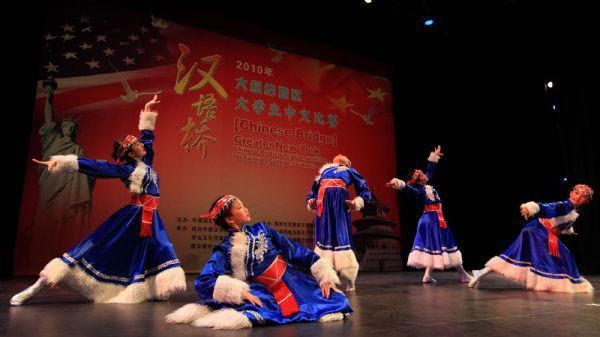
<point x="64" y="204"/>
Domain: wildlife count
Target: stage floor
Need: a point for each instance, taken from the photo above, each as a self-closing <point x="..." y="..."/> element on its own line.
<point x="385" y="304"/>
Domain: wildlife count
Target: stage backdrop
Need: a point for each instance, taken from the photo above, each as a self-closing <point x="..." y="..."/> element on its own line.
<point x="235" y="117"/>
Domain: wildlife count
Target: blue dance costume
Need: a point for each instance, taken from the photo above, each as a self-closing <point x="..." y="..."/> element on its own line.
<point x="271" y="267"/>
<point x="333" y="224"/>
<point x="129" y="258"/>
<point x="537" y="258"/>
<point x="434" y="245"/>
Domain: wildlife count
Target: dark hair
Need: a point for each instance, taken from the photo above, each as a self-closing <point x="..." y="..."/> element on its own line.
<point x="116" y="147"/>
<point x="225" y="212"/>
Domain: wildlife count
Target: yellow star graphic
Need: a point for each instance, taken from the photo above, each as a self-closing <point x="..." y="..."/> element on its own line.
<point x="340" y="103"/>
<point x="377" y="93"/>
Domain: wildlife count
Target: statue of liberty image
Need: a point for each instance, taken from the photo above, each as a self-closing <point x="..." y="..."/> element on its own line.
<point x="64" y="204"/>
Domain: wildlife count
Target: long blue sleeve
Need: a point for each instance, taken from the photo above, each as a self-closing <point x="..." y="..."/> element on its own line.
<point x="102" y="169"/>
<point x="555" y="209"/>
<point x="147" y="138"/>
<point x="362" y="190"/>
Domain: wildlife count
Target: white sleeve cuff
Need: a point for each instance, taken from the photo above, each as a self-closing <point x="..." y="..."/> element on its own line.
<point x="147" y="120"/>
<point x="398" y="184"/>
<point x="433" y="157"/>
<point x="532" y="207"/>
<point x="323" y="272"/>
<point x="65" y="164"/>
<point x="359" y="203"/>
<point x="229" y="290"/>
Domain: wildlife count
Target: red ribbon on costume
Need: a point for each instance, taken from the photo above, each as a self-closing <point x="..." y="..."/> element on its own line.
<point x="272" y="279"/>
<point x="325" y="184"/>
<point x="148" y="204"/>
<point x="438" y="209"/>
<point x="552" y="237"/>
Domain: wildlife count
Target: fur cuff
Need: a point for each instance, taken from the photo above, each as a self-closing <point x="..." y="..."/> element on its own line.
<point x="224" y="319"/>
<point x="433" y="157"/>
<point x="65" y="164"/>
<point x="532" y="207"/>
<point x="359" y="203"/>
<point x="229" y="290"/>
<point x="187" y="314"/>
<point x="397" y="184"/>
<point x="336" y="316"/>
<point x="147" y="120"/>
<point x="323" y="272"/>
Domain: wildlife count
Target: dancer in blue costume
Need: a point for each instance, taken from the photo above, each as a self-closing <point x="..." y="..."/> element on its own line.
<point x="434" y="246"/>
<point x="537" y="258"/>
<point x="329" y="199"/>
<point x="256" y="276"/>
<point x="129" y="258"/>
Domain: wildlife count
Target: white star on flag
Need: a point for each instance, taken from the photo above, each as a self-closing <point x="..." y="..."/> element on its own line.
<point x="70" y="55"/>
<point x="51" y="67"/>
<point x="128" y="60"/>
<point x="93" y="64"/>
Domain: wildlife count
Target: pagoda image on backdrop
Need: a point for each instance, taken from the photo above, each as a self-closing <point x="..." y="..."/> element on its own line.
<point x="377" y="246"/>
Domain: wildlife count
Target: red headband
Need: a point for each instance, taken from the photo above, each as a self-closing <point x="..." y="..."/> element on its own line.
<point x="125" y="147"/>
<point x="585" y="189"/>
<point x="414" y="177"/>
<point x="219" y="206"/>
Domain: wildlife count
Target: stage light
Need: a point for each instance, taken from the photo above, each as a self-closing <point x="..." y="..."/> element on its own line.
<point x="550" y="84"/>
<point x="564" y="179"/>
<point x="368" y="1"/>
<point x="429" y="22"/>
<point x="554" y="107"/>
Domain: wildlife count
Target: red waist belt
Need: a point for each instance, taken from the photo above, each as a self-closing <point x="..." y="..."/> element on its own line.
<point x="438" y="209"/>
<point x="552" y="237"/>
<point x="325" y="184"/>
<point x="148" y="204"/>
<point x="272" y="279"/>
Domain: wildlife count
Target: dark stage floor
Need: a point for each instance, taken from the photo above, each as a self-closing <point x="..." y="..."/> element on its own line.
<point x="386" y="304"/>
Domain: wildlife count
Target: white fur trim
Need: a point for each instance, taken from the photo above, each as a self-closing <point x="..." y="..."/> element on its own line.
<point x="397" y="184"/>
<point x="187" y="314"/>
<point x="567" y="218"/>
<point x="67" y="163"/>
<point x="429" y="192"/>
<point x="137" y="177"/>
<point x="531" y="207"/>
<point x="147" y="120"/>
<point x="229" y="290"/>
<point x="239" y="252"/>
<point x="224" y="319"/>
<point x="420" y="260"/>
<point x="330" y="165"/>
<point x="536" y="282"/>
<point x="359" y="202"/>
<point x="336" y="316"/>
<point x="159" y="286"/>
<point x="433" y="157"/>
<point x="323" y="272"/>
<point x="340" y="259"/>
<point x="55" y="271"/>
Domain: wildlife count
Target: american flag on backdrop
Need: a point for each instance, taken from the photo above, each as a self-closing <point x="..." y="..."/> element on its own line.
<point x="125" y="53"/>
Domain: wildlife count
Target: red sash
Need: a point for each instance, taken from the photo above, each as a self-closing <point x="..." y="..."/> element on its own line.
<point x="438" y="209"/>
<point x="552" y="237"/>
<point x="325" y="184"/>
<point x="148" y="204"/>
<point x="272" y="279"/>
